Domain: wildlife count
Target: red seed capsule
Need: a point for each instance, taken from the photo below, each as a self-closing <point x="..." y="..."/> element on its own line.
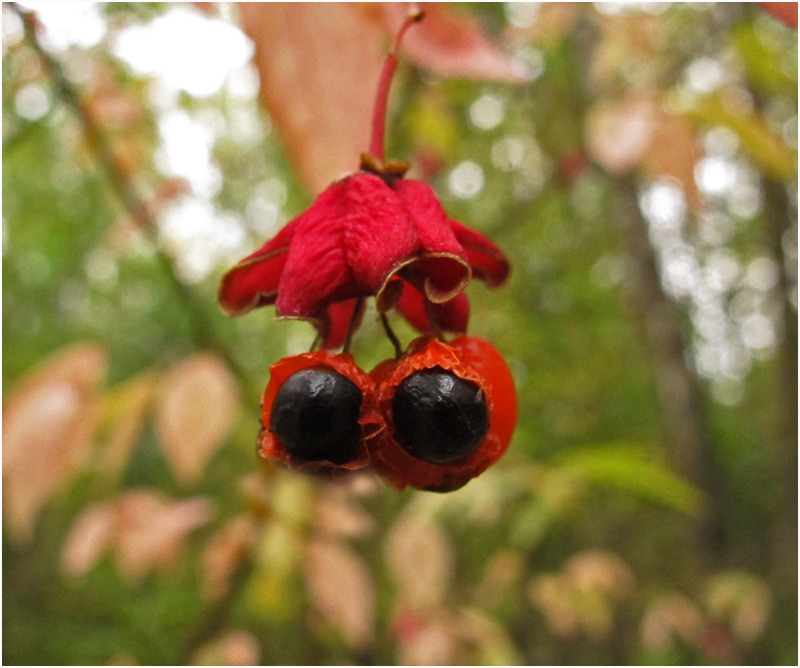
<point x="318" y="414"/>
<point x="450" y="412"/>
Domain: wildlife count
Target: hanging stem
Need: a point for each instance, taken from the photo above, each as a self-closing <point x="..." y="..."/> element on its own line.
<point x="398" y="350"/>
<point x="376" y="144"/>
<point x="351" y="327"/>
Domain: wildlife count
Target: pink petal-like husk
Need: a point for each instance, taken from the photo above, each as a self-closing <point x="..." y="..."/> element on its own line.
<point x="347" y="245"/>
<point x="425" y="316"/>
<point x="254" y="281"/>
<point x="487" y="261"/>
<point x="442" y="270"/>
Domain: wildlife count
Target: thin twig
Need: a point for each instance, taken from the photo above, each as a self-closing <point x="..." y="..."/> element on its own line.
<point x="128" y="195"/>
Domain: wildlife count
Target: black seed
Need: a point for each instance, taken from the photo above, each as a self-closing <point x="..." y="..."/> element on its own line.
<point x="315" y="415"/>
<point x="439" y="417"/>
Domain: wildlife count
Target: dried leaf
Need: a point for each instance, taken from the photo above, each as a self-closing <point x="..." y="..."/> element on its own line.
<point x="670" y="617"/>
<point x="89" y="538"/>
<point x="341" y="588"/>
<point x="49" y="421"/>
<point x="601" y="571"/>
<point x="742" y="600"/>
<point x="551" y="594"/>
<point x="618" y="132"/>
<point x="224" y="553"/>
<point x="449" y="43"/>
<point x="420" y="562"/>
<point x="581" y="597"/>
<point x="142" y="528"/>
<point x="197" y="409"/>
<point x="319" y="65"/>
<point x="151" y="530"/>
<point x="672" y="152"/>
<point x="237" y="648"/>
<point x="337" y="515"/>
<point x="430" y="644"/>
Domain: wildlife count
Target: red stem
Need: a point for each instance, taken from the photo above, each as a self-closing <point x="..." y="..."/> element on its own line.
<point x="384" y="84"/>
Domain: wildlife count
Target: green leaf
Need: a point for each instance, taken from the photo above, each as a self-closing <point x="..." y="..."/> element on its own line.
<point x="631" y="469"/>
<point x="764" y="148"/>
<point x="764" y="66"/>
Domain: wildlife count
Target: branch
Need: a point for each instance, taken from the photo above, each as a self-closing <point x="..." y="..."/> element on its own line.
<point x="128" y="195"/>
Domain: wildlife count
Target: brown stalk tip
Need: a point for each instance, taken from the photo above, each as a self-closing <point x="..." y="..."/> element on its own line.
<point x="369" y="163"/>
<point x="394" y="169"/>
<point x="417" y="15"/>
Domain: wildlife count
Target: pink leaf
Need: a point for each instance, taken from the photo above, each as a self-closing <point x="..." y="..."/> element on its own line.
<point x="142" y="528"/>
<point x="420" y="562"/>
<point x="599" y="570"/>
<point x="341" y="588"/>
<point x="237" y="648"/>
<point x="152" y="529"/>
<point x="338" y="515"/>
<point x="89" y="537"/>
<point x="449" y="43"/>
<point x="319" y="65"/>
<point x="430" y="644"/>
<point x="49" y="421"/>
<point x="198" y="407"/>
<point x="784" y="11"/>
<point x="224" y="553"/>
<point x="669" y="618"/>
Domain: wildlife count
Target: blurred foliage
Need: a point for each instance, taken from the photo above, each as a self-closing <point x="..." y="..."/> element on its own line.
<point x="159" y="538"/>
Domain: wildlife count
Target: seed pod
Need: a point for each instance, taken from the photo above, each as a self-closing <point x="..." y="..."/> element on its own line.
<point x="317" y="413"/>
<point x="450" y="412"/>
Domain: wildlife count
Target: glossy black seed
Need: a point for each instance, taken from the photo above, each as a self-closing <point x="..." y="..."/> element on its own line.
<point x="315" y="415"/>
<point x="439" y="417"/>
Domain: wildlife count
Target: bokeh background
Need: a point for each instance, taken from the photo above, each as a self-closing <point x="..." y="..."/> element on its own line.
<point x="638" y="164"/>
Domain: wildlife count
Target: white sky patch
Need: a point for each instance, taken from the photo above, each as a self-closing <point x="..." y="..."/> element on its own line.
<point x="186" y="151"/>
<point x="183" y="50"/>
<point x="705" y="74"/>
<point x="715" y="176"/>
<point x="186" y="50"/>
<point x="664" y="205"/>
<point x="69" y="23"/>
<point x="201" y="237"/>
